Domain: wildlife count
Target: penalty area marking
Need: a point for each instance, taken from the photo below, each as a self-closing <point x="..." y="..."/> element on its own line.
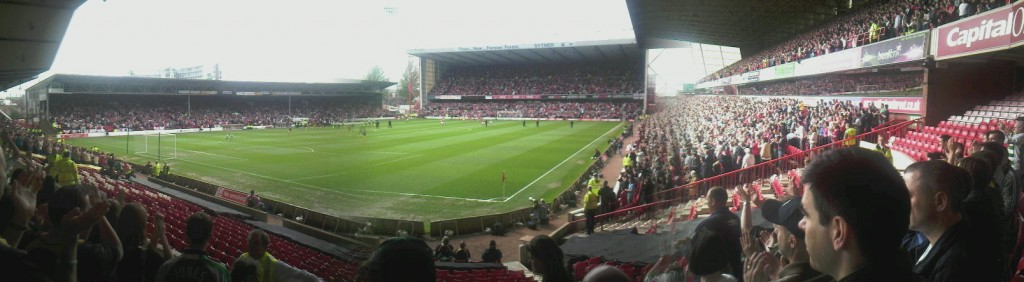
<point x="273" y="178"/>
<point x="212" y="154"/>
<point x="560" y="164"/>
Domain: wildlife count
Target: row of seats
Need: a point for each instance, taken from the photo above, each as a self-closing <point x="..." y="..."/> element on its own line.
<point x="482" y="275"/>
<point x="966" y="129"/>
<point x="1007" y="119"/>
<point x="1009" y="114"/>
<point x="229" y="236"/>
<point x="581" y="268"/>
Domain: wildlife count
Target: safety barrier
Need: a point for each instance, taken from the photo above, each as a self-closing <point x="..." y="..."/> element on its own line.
<point x="764" y="170"/>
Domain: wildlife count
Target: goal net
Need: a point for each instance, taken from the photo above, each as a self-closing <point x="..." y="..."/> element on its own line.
<point x="156" y="146"/>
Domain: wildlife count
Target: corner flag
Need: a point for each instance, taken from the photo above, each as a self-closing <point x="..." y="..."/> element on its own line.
<point x="503" y="176"/>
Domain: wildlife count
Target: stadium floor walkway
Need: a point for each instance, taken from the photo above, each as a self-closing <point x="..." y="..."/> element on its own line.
<point x="216" y="208"/>
<point x="509" y="243"/>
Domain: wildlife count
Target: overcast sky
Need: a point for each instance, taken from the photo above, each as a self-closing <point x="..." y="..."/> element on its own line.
<point x="313" y="40"/>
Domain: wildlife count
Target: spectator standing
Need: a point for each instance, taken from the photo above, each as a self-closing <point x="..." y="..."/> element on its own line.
<point x="194" y="264"/>
<point x="269" y="268"/>
<point x="785" y="216"/>
<point x="857" y="209"/>
<point x="937" y="190"/>
<point x="142" y="259"/>
<point x="723" y="226"/>
<point x="983" y="213"/>
<point x="401" y="259"/>
<point x="66" y="171"/>
<point x="547" y="259"/>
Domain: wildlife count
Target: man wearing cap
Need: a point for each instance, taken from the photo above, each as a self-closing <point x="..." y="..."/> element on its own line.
<point x="790" y="239"/>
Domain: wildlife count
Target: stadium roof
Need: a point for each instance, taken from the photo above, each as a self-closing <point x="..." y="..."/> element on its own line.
<point x="30" y="34"/>
<point x="749" y="25"/>
<point x="539" y="53"/>
<point x="90" y="84"/>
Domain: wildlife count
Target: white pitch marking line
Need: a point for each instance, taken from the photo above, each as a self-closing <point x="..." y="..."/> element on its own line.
<point x="212" y="154"/>
<point x="431" y="196"/>
<point x="272" y="178"/>
<point x="560" y="164"/>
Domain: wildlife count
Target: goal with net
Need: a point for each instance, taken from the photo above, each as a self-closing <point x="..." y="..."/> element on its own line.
<point x="161" y="146"/>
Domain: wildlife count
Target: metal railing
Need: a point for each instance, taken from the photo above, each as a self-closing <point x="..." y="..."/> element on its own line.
<point x="764" y="170"/>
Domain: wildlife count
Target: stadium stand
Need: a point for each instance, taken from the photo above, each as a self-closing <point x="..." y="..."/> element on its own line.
<point x="105" y="113"/>
<point x="966" y="129"/>
<point x="662" y="153"/>
<point x="882" y="21"/>
<point x="229" y="236"/>
<point x="837" y="85"/>
<point x="535" y="109"/>
<point x="589" y="78"/>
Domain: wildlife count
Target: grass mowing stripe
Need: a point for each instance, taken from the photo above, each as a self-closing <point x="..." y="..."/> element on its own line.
<point x="561" y="163"/>
<point x="461" y="161"/>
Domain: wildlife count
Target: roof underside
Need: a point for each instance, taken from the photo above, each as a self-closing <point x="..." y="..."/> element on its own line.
<point x="750" y="25"/>
<point x="30" y="34"/>
<point x="555" y="55"/>
<point x="88" y="84"/>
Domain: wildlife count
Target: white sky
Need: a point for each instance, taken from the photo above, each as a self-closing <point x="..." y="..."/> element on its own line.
<point x="312" y="40"/>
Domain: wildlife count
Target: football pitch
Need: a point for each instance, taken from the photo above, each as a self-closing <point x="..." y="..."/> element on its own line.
<point x="417" y="170"/>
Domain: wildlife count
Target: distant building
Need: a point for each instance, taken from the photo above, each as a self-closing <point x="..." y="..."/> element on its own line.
<point x="193" y="72"/>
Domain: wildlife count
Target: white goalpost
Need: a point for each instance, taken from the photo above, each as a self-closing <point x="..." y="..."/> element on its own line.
<point x="162" y="146"/>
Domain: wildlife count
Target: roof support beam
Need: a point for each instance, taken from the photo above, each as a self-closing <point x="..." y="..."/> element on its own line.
<point x="549" y="60"/>
<point x="531" y="60"/>
<point x="482" y="57"/>
<point x="577" y="50"/>
<point x="498" y="54"/>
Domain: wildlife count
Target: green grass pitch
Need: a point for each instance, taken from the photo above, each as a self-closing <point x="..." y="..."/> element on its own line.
<point x="417" y="170"/>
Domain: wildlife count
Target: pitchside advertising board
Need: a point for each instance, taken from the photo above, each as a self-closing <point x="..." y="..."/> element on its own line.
<point x="994" y="30"/>
<point x="906" y="48"/>
<point x="897" y="50"/>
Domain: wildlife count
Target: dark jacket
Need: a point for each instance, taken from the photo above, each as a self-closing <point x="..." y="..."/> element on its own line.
<point x="883" y="272"/>
<point x="948" y="260"/>
<point x="985" y="232"/>
<point x="724" y="222"/>
<point x="797" y="272"/>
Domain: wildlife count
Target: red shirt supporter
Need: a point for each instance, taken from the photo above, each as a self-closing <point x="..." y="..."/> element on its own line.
<point x="852" y="30"/>
<point x="535" y="109"/>
<point x="95" y="113"/>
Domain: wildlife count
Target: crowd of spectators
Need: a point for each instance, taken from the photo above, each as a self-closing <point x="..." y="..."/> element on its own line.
<point x="535" y="109"/>
<point x="57" y="228"/>
<point x="694" y="138"/>
<point x="876" y="22"/>
<point x="588" y="78"/>
<point x="99" y="113"/>
<point x="836" y="84"/>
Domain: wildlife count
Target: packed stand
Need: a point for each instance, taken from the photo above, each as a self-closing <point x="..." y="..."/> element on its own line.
<point x="867" y="25"/>
<point x="590" y="78"/>
<point x="104" y="113"/>
<point x="535" y="109"/>
<point x="836" y="84"/>
<point x="700" y="137"/>
<point x="859" y="219"/>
